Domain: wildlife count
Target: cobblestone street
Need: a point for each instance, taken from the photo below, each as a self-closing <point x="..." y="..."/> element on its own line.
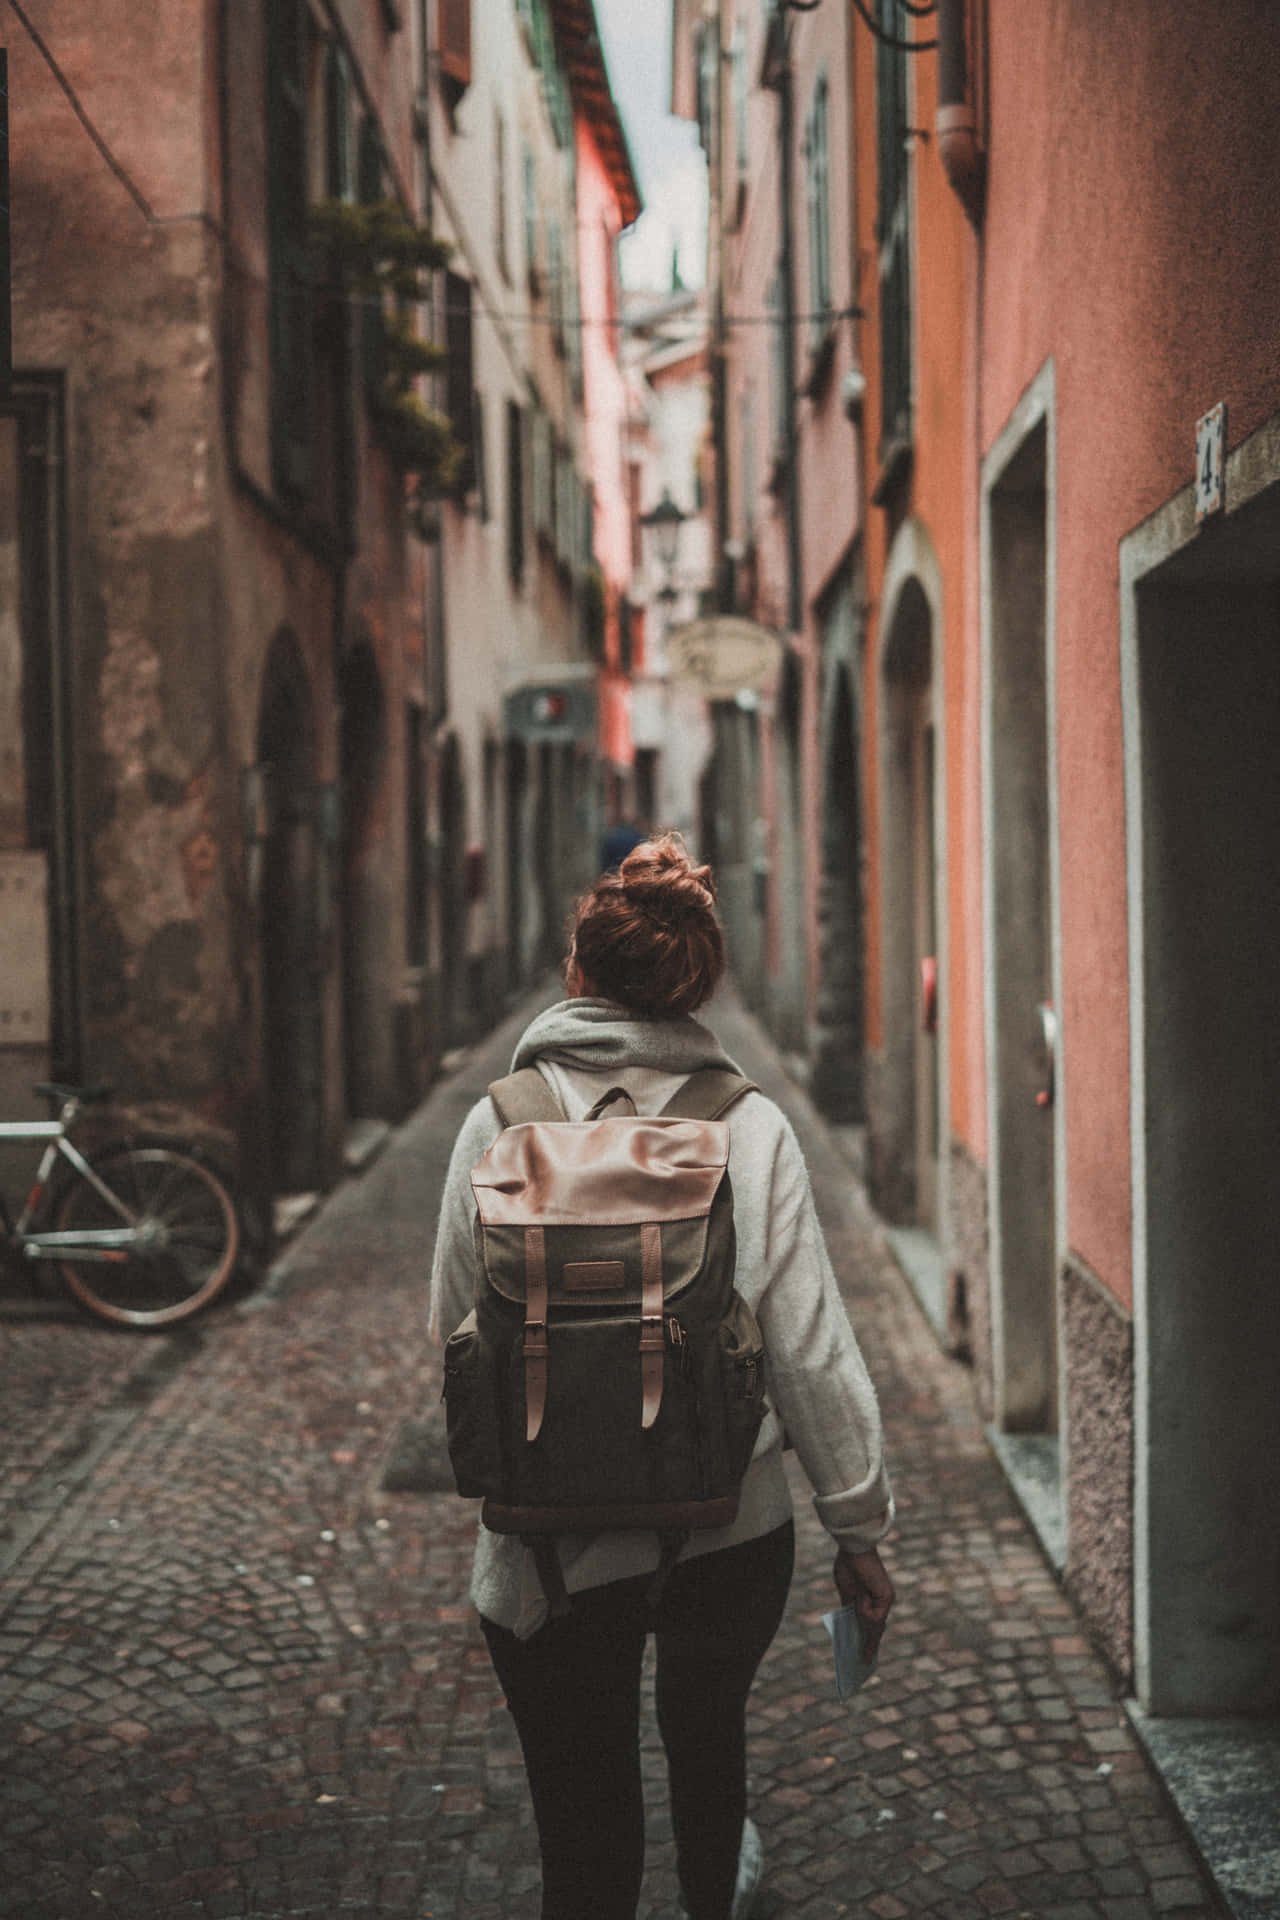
<point x="240" y="1676"/>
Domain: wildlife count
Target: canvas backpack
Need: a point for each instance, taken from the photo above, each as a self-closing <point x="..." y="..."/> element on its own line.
<point x="609" y="1375"/>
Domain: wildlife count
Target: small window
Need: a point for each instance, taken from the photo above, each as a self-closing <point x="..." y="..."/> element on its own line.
<point x="515" y="493"/>
<point x="453" y="24"/>
<point x="529" y="195"/>
<point x="479" y="459"/>
<point x="555" y="282"/>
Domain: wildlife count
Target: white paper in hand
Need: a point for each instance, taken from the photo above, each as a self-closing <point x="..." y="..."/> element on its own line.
<point x="846" y="1644"/>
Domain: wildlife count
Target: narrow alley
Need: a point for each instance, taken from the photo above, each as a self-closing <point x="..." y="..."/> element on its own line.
<point x="240" y="1675"/>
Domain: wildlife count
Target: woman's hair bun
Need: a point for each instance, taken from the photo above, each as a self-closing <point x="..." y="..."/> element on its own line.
<point x="663" y="874"/>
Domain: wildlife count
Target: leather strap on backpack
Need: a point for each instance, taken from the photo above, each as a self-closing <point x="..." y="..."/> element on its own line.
<point x="653" y="1335"/>
<point x="524" y="1096"/>
<point x="536" y="1350"/>
<point x="707" y="1094"/>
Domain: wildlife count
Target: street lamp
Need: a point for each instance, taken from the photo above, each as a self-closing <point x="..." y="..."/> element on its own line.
<point x="664" y="522"/>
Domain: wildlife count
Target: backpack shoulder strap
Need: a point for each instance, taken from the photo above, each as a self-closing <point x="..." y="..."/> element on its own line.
<point x="524" y="1096"/>
<point x="707" y="1094"/>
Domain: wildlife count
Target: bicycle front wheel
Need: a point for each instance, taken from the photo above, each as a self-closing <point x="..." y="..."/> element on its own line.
<point x="182" y="1241"/>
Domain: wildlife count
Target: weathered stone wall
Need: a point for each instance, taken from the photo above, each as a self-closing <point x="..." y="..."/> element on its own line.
<point x="969" y="1268"/>
<point x="1098" y="1364"/>
<point x="114" y="287"/>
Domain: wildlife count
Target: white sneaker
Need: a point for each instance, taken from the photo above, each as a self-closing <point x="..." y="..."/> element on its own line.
<point x="750" y="1872"/>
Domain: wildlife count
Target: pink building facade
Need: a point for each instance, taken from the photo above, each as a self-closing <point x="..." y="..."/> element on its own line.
<point x="1014" y="522"/>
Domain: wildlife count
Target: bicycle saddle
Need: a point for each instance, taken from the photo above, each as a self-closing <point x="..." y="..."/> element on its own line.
<point x="59" y="1091"/>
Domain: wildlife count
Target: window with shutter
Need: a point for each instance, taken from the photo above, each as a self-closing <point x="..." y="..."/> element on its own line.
<point x="555" y="282"/>
<point x="515" y="493"/>
<point x="479" y="455"/>
<point x="542" y="475"/>
<point x="529" y="193"/>
<point x="460" y="374"/>
<point x="453" y="19"/>
<point x="339" y="172"/>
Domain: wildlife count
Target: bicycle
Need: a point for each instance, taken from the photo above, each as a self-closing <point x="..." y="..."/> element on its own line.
<point x="144" y="1233"/>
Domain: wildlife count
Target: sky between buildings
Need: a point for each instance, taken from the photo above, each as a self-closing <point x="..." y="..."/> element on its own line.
<point x="667" y="157"/>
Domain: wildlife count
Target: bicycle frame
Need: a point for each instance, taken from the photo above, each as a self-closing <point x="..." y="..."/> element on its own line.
<point x="88" y="1243"/>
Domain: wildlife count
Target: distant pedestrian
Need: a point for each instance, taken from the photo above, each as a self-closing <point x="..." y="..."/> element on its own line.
<point x="619" y="840"/>
<point x="647" y="952"/>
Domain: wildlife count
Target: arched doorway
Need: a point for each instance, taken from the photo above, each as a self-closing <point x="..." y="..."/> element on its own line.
<point x="839" y="1067"/>
<point x="292" y="960"/>
<point x="366" y="921"/>
<point x="1024" y="1076"/>
<point x="906" y="1163"/>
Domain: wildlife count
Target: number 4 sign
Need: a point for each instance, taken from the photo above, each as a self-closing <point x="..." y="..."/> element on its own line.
<point x="1211" y="436"/>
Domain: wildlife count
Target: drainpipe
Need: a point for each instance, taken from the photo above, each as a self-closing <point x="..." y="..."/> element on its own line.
<point x="724" y="580"/>
<point x="786" y="189"/>
<point x="956" y="121"/>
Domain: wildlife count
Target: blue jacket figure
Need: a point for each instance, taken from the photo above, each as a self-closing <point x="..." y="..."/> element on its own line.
<point x="619" y="839"/>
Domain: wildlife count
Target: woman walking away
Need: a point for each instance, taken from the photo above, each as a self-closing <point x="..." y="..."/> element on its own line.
<point x="566" y="1619"/>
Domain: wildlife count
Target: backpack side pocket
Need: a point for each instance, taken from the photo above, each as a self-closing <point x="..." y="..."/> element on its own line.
<point x="742" y="1376"/>
<point x="471" y="1413"/>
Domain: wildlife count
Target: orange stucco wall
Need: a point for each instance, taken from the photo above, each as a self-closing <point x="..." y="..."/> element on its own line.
<point x="1152" y="279"/>
<point x="942" y="496"/>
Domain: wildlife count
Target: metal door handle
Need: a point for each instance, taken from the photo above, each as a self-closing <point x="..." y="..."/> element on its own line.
<point x="1049" y="1036"/>
<point x="929" y="994"/>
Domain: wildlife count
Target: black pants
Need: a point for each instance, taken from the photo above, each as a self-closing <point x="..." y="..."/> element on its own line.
<point x="574" y="1692"/>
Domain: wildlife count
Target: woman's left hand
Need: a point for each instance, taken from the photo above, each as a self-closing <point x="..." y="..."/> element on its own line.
<point x="863" y="1582"/>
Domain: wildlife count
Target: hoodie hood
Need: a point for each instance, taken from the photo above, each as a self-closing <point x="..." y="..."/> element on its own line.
<point x="600" y="1037"/>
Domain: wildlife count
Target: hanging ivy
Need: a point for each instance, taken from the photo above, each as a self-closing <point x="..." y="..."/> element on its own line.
<point x="385" y="262"/>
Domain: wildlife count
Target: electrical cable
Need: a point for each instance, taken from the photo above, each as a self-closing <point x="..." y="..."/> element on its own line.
<point x="888" y="39"/>
<point x="135" y="193"/>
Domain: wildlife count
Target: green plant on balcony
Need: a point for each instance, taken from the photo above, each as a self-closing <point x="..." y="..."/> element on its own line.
<point x="385" y="261"/>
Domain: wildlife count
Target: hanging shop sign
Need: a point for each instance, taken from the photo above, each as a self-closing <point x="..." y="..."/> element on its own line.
<point x="724" y="655"/>
<point x="551" y="711"/>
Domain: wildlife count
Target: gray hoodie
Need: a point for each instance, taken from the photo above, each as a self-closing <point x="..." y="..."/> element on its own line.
<point x="817" y="1383"/>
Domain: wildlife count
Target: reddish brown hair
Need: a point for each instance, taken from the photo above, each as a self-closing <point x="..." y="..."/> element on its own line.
<point x="647" y="936"/>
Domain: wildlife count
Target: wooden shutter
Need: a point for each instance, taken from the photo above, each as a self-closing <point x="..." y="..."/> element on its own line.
<point x="453" y="19"/>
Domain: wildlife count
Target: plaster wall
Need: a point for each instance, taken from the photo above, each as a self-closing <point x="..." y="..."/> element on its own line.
<point x="1114" y="245"/>
<point x="500" y="631"/>
<point x="932" y="510"/>
<point x="604" y="385"/>
<point x="827" y="470"/>
<point x="116" y="289"/>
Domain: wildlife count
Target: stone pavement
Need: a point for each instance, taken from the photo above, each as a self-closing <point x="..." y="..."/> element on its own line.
<point x="240" y="1677"/>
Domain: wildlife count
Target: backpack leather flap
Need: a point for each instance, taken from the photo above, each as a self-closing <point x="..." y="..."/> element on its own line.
<point x="587" y="1268"/>
<point x="609" y="1172"/>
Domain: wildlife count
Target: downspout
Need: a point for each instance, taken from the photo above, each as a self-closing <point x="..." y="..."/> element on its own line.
<point x="724" y="573"/>
<point x="786" y="263"/>
<point x="956" y="121"/>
